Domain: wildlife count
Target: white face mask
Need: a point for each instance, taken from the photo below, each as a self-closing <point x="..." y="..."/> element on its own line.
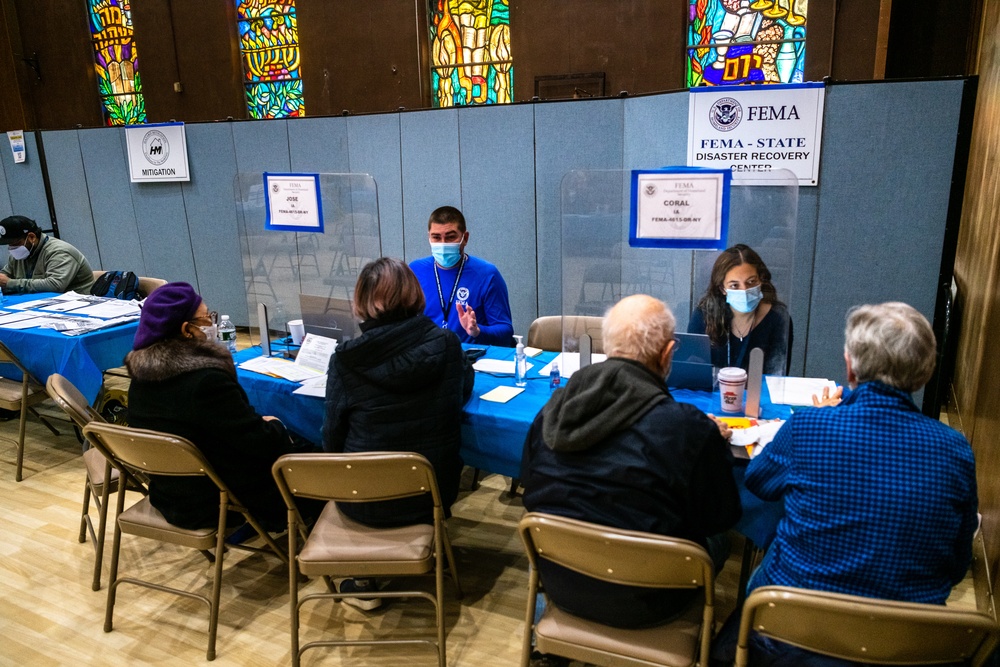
<point x="20" y="252"/>
<point x="211" y="333"/>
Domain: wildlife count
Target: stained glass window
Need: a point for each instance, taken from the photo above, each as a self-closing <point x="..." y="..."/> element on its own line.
<point x="746" y="41"/>
<point x="470" y="52"/>
<point x="269" y="40"/>
<point x="116" y="62"/>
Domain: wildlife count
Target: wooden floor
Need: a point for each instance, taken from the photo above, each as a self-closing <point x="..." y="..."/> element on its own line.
<point x="50" y="616"/>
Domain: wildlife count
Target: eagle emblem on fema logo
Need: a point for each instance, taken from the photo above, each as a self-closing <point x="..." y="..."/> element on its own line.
<point x="463" y="294"/>
<point x="649" y="190"/>
<point x="725" y="114"/>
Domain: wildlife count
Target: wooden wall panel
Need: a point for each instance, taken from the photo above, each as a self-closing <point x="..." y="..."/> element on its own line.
<point x="192" y="42"/>
<point x="63" y="93"/>
<point x="976" y="406"/>
<point x="360" y="56"/>
<point x="639" y="45"/>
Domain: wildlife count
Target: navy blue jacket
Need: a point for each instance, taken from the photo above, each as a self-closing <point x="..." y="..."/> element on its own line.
<point x="400" y="386"/>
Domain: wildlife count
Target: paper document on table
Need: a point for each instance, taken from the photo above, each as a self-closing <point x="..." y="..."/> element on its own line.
<point x="569" y="363"/>
<point x="61" y="306"/>
<point x="258" y="365"/>
<point x="759" y="434"/>
<point x="28" y="305"/>
<point x="315" y="353"/>
<point x="75" y="326"/>
<point x="501" y="394"/>
<point x="496" y="366"/>
<point x="532" y="351"/>
<point x="109" y="309"/>
<point x="6" y="317"/>
<point x="29" y="323"/>
<point x="280" y="368"/>
<point x="796" y="391"/>
<point x="313" y="387"/>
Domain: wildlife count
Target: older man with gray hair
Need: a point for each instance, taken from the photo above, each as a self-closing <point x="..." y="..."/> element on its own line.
<point x="880" y="500"/>
<point x="614" y="448"/>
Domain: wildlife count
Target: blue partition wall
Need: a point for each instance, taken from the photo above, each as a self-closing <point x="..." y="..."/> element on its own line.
<point x="871" y="231"/>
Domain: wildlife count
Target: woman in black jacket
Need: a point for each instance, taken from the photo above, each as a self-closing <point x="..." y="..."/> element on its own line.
<point x="400" y="386"/>
<point x="184" y="383"/>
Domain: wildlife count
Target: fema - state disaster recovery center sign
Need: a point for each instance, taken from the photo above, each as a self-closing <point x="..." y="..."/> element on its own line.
<point x="157" y="153"/>
<point x="754" y="130"/>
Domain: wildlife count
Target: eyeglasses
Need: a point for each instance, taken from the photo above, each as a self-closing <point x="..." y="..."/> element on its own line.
<point x="212" y="316"/>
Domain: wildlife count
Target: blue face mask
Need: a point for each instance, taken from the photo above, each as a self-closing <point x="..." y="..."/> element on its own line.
<point x="744" y="300"/>
<point x="446" y="254"/>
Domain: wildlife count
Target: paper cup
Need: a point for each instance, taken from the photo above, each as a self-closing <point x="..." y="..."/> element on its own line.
<point x="732" y="388"/>
<point x="297" y="330"/>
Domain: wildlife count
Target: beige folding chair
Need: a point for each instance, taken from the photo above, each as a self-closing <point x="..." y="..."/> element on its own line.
<point x="99" y="469"/>
<point x="547" y="332"/>
<point x="147" y="285"/>
<point x="868" y="630"/>
<point x="155" y="453"/>
<point x="625" y="557"/>
<point x="339" y="547"/>
<point x="20" y="396"/>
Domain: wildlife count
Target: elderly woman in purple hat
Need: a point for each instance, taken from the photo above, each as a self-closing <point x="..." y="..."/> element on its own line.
<point x="184" y="383"/>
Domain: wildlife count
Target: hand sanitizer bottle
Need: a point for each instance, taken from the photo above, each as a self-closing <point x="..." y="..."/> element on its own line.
<point x="520" y="364"/>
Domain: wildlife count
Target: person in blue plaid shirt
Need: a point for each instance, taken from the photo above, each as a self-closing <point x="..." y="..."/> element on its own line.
<point x="880" y="500"/>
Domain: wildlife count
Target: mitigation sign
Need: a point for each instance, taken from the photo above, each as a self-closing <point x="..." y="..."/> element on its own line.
<point x="157" y="152"/>
<point x="757" y="129"/>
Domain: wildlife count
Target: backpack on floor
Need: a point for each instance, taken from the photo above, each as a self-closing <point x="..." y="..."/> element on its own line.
<point x="117" y="285"/>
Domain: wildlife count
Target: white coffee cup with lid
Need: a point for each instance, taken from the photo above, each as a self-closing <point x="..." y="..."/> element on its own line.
<point x="732" y="389"/>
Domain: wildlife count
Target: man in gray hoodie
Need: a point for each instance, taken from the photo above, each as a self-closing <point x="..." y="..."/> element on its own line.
<point x="614" y="448"/>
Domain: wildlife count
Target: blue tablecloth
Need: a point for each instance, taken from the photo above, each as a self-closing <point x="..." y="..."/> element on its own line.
<point x="493" y="433"/>
<point x="81" y="359"/>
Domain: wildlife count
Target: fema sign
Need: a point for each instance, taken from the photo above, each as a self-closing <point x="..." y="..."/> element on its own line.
<point x="754" y="130"/>
<point x="157" y="152"/>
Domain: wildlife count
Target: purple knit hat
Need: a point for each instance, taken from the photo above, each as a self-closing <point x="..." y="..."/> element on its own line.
<point x="163" y="313"/>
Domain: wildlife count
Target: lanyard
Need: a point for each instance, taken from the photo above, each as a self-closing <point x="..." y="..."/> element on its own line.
<point x="446" y="308"/>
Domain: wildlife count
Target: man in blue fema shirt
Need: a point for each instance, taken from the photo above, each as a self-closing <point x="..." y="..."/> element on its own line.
<point x="880" y="500"/>
<point x="463" y="293"/>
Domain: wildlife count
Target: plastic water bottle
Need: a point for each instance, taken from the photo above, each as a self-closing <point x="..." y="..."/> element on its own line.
<point x="227" y="334"/>
<point x="554" y="378"/>
<point x="520" y="364"/>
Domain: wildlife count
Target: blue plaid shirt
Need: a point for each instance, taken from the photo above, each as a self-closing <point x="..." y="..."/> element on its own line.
<point x="880" y="501"/>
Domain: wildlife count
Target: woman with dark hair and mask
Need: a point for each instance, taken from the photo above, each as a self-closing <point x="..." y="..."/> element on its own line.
<point x="184" y="383"/>
<point x="399" y="386"/>
<point x="740" y="311"/>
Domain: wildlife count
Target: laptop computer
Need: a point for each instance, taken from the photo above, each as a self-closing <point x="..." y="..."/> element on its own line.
<point x="328" y="316"/>
<point x="692" y="363"/>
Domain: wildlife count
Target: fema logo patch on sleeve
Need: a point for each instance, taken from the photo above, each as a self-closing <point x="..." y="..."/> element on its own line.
<point x="725" y="114"/>
<point x="3" y="231"/>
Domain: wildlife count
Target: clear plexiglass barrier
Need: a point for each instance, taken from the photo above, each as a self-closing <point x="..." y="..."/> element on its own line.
<point x="292" y="271"/>
<point x="600" y="266"/>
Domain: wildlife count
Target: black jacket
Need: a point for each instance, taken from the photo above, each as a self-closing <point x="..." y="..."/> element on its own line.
<point x="614" y="448"/>
<point x="400" y="386"/>
<point x="189" y="388"/>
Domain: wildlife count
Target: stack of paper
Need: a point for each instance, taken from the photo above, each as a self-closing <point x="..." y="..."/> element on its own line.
<point x="796" y="391"/>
